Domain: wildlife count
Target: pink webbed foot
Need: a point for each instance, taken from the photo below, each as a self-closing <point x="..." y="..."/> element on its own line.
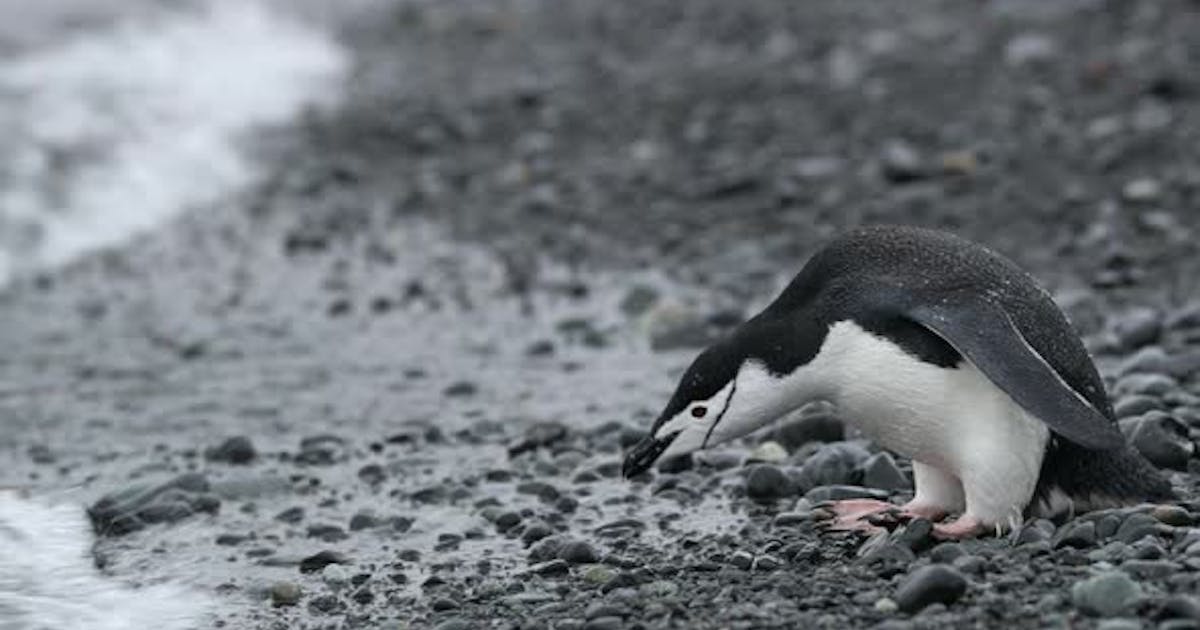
<point x="912" y="510"/>
<point x="960" y="528"/>
<point x="858" y="515"/>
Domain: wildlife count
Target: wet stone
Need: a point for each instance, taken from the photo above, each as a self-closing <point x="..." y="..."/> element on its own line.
<point x="838" y="493"/>
<point x="1172" y="515"/>
<point x="126" y="511"/>
<point x="1136" y="405"/>
<point x="326" y="604"/>
<point x="900" y="162"/>
<point x="742" y="560"/>
<point x="578" y="552"/>
<point x="322" y="450"/>
<point x="542" y="489"/>
<point x="534" y="532"/>
<point x="1076" y="535"/>
<point x="539" y="435"/>
<point x="1180" y="606"/>
<point x="1145" y="384"/>
<point x="880" y="471"/>
<point x="928" y="585"/>
<point x="364" y="519"/>
<point x="1137" y="327"/>
<point x="551" y="567"/>
<point x="545" y="549"/>
<point x="285" y="594"/>
<point x="766" y="482"/>
<point x="834" y="464"/>
<point x="235" y="450"/>
<point x="372" y="474"/>
<point x="1161" y="439"/>
<point x="320" y="560"/>
<point x="507" y="521"/>
<point x="460" y="389"/>
<point x="1106" y="595"/>
<point x="946" y="553"/>
<point x="821" y="427"/>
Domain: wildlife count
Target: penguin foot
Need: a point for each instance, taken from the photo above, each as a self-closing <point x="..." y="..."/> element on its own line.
<point x="859" y="515"/>
<point x="958" y="529"/>
<point x="931" y="513"/>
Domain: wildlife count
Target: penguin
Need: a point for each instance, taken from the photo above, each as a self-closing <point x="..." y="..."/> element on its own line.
<point x="934" y="347"/>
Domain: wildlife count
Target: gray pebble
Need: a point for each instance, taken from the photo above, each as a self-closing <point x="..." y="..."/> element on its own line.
<point x="838" y="493"/>
<point x="880" y="471"/>
<point x="1145" y="384"/>
<point x="1076" y="535"/>
<point x="766" y="482"/>
<point x="1137" y="526"/>
<point x="1137" y="327"/>
<point x="1181" y="606"/>
<point x="235" y="450"/>
<point x="946" y="553"/>
<point x="1161" y="439"/>
<point x="742" y="559"/>
<point x="605" y="623"/>
<point x="534" y="532"/>
<point x="817" y="427"/>
<point x="1136" y="405"/>
<point x="285" y="594"/>
<point x="835" y="463"/>
<point x="1106" y="595"/>
<point x="578" y="552"/>
<point x="936" y="583"/>
<point x="973" y="565"/>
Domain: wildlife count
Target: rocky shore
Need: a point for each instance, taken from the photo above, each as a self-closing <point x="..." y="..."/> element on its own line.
<point x="391" y="386"/>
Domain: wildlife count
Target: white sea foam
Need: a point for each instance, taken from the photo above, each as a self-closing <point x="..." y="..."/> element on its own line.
<point x="48" y="579"/>
<point x="113" y="131"/>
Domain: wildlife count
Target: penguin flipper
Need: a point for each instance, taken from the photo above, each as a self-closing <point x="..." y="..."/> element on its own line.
<point x="986" y="335"/>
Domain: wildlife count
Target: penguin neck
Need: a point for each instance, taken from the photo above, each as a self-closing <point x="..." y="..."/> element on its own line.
<point x="787" y="364"/>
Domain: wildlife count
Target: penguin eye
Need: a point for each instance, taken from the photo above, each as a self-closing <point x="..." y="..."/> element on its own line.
<point x="698" y="411"/>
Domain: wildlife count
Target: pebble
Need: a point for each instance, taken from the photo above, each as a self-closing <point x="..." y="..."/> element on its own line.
<point x="1161" y="439"/>
<point x="1145" y="384"/>
<point x="538" y="435"/>
<point x="1136" y="405"/>
<point x="880" y="471"/>
<point x="1030" y="49"/>
<point x="1106" y="595"/>
<point x="742" y="560"/>
<point x="363" y="519"/>
<point x="901" y="163"/>
<point x="235" y="450"/>
<point x="598" y="574"/>
<point x="285" y="594"/>
<point x="1172" y="515"/>
<point x="140" y="505"/>
<point x="1137" y="327"/>
<point x="936" y="583"/>
<point x="1120" y="624"/>
<point x="1142" y="190"/>
<point x="1076" y="535"/>
<point x="946" y="553"/>
<point x="1181" y="606"/>
<point x="767" y="482"/>
<point x="886" y="605"/>
<point x="838" y="493"/>
<point x="605" y="623"/>
<point x="974" y="565"/>
<point x="534" y="532"/>
<point x="578" y="552"/>
<point x="770" y="452"/>
<point x="551" y="567"/>
<point x="327" y="604"/>
<point x="813" y="427"/>
<point x="320" y="560"/>
<point x="1150" y="569"/>
<point x="835" y="463"/>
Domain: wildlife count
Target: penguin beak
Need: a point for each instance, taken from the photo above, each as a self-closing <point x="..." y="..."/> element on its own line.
<point x="643" y="456"/>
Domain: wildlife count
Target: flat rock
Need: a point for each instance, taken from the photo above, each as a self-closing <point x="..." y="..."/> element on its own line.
<point x="1106" y="595"/>
<point x="933" y="584"/>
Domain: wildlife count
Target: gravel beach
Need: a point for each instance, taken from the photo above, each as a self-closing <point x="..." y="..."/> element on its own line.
<point x="391" y="384"/>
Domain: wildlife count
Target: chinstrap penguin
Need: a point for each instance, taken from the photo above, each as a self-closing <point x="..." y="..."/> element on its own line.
<point x="938" y="349"/>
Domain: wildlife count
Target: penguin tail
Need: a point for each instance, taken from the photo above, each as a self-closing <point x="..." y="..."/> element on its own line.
<point x="1074" y="479"/>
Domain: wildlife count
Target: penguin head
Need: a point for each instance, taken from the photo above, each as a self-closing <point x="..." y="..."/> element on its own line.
<point x="731" y="389"/>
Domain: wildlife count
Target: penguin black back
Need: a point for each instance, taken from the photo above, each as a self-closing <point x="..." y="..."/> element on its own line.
<point x="932" y="266"/>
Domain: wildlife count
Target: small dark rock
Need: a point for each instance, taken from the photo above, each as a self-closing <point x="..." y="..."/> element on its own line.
<point x="822" y="427"/>
<point x="322" y="559"/>
<point x="742" y="560"/>
<point x="291" y="515"/>
<point x="880" y="471"/>
<point x="834" y="464"/>
<point x="534" y="532"/>
<point x="1138" y="327"/>
<point x="1161" y="439"/>
<point x="551" y="567"/>
<point x="363" y="519"/>
<point x="768" y="483"/>
<point x="326" y="604"/>
<point x="1076" y="535"/>
<point x="578" y="552"/>
<point x="936" y="583"/>
<point x="372" y="474"/>
<point x="539" y="435"/>
<point x="235" y="450"/>
<point x="460" y="389"/>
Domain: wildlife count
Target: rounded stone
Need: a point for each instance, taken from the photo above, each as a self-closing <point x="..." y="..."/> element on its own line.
<point x="1106" y="595"/>
<point x="936" y="583"/>
<point x="285" y="594"/>
<point x="767" y="483"/>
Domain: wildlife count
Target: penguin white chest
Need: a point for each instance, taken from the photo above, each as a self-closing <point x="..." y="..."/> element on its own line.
<point x="949" y="418"/>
